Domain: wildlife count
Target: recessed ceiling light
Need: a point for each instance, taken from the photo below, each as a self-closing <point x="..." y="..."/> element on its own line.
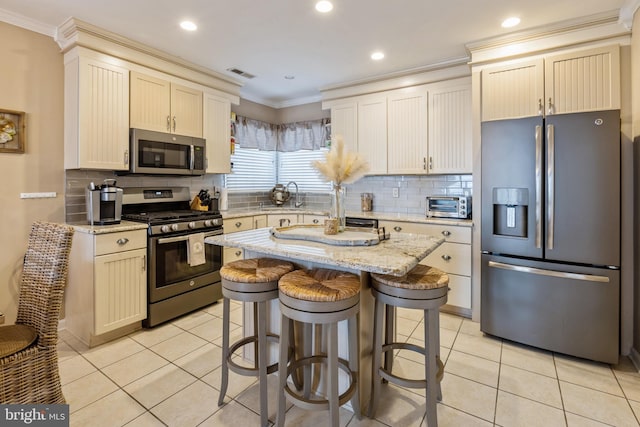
<point x="510" y="22"/>
<point x="289" y="77"/>
<point x="324" y="6"/>
<point x="377" y="56"/>
<point x="188" y="25"/>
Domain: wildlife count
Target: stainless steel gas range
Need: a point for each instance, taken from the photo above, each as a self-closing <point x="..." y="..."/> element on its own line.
<point x="183" y="273"/>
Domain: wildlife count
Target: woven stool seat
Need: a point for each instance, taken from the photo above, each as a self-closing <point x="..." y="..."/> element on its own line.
<point x="420" y="277"/>
<point x="255" y="270"/>
<point x="320" y="285"/>
<point x="14" y="338"/>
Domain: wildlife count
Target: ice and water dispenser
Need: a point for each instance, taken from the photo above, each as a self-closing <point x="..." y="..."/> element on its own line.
<point x="510" y="211"/>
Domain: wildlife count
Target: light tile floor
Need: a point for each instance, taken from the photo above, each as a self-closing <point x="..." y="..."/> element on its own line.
<point x="170" y="376"/>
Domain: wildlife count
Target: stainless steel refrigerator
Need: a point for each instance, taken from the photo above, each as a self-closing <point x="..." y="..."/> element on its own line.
<point x="551" y="232"/>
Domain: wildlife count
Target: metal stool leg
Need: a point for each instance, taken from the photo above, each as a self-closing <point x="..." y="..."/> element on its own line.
<point x="431" y="367"/>
<point x="262" y="362"/>
<point x="282" y="369"/>
<point x="389" y="336"/>
<point x="377" y="357"/>
<point x="332" y="355"/>
<point x="225" y="349"/>
<point x="354" y="355"/>
<point x="307" y="349"/>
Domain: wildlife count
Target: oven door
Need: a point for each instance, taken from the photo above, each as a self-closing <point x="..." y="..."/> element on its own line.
<point x="169" y="271"/>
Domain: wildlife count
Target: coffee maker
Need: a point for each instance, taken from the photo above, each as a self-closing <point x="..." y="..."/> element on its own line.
<point x="104" y="203"/>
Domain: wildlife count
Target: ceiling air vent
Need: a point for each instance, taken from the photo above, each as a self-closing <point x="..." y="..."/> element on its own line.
<point x="241" y="73"/>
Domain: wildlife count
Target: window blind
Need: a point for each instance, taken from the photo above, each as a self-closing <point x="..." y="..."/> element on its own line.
<point x="252" y="170"/>
<point x="296" y="166"/>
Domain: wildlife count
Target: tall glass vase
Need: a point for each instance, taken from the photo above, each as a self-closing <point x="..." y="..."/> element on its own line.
<point x="337" y="206"/>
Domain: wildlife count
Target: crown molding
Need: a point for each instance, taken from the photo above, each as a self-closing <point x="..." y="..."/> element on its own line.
<point x="596" y="27"/>
<point x="627" y="11"/>
<point x="27" y="23"/>
<point x="76" y="33"/>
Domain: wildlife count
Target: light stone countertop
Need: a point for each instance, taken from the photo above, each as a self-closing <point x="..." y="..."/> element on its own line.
<point x="382" y="216"/>
<point x="396" y="256"/>
<point x="83" y="227"/>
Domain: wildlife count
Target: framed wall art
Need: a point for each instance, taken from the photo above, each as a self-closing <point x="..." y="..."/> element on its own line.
<point x="12" y="131"/>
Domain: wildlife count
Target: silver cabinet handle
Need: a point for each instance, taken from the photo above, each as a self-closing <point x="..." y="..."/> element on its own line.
<point x="550" y="185"/>
<point x="538" y="173"/>
<point x="284" y="221"/>
<point x="315" y="221"/>
<point x="430" y="163"/>
<point x="540" y="107"/>
<point x="168" y="123"/>
<point x="122" y="241"/>
<point x="446" y="257"/>
<point x="550" y="273"/>
<point x="126" y="157"/>
<point x="238" y="253"/>
<point x="144" y="263"/>
<point x="551" y="108"/>
<point x="397" y="228"/>
<point x="424" y="163"/>
<point x="174" y="123"/>
<point x="446" y="233"/>
<point x="238" y="224"/>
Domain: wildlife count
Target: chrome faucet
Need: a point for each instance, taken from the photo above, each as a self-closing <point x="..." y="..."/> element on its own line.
<point x="297" y="203"/>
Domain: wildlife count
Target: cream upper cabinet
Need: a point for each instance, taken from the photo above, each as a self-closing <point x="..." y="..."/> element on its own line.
<point x="372" y="132"/>
<point x="217" y="133"/>
<point x="407" y="131"/>
<point x="344" y="122"/>
<point x="586" y="80"/>
<point x="163" y="106"/>
<point x="450" y="139"/>
<point x="96" y="110"/>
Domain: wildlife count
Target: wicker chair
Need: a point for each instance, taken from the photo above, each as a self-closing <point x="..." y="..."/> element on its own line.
<point x="28" y="349"/>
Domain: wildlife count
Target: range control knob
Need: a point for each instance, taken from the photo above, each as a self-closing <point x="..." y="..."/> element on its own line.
<point x="174" y="227"/>
<point x="192" y="225"/>
<point x="164" y="228"/>
<point x="208" y="223"/>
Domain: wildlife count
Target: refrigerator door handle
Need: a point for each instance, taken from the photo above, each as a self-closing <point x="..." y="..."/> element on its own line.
<point x="551" y="273"/>
<point x="550" y="185"/>
<point x="538" y="186"/>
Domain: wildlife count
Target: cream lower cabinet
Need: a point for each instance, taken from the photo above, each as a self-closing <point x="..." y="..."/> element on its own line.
<point x="107" y="289"/>
<point x="452" y="257"/>
<point x="233" y="225"/>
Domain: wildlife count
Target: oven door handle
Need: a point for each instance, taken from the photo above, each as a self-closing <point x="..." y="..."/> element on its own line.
<point x="165" y="240"/>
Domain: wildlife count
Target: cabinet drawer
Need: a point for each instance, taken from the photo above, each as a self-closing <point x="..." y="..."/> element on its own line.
<point x="231" y="254"/>
<point x="237" y="224"/>
<point x="451" y="233"/>
<point x="314" y="219"/>
<point x="118" y="242"/>
<point x="452" y="258"/>
<point x="459" y="291"/>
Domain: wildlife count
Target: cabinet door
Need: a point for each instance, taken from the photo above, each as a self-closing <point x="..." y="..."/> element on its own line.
<point x="120" y="283"/>
<point x="407" y="131"/>
<point x="101" y="139"/>
<point x="513" y="91"/>
<point x="150" y="103"/>
<point x="372" y="133"/>
<point x="450" y="139"/>
<point x="583" y="81"/>
<point x="259" y="221"/>
<point x="217" y="133"/>
<point x="233" y="225"/>
<point x="283" y="220"/>
<point x="344" y="122"/>
<point x="231" y="254"/>
<point x="186" y="111"/>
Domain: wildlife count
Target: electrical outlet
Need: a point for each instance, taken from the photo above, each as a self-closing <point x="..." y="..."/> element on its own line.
<point x="396" y="192"/>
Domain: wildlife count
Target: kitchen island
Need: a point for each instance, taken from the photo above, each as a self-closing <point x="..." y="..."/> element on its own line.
<point x="397" y="255"/>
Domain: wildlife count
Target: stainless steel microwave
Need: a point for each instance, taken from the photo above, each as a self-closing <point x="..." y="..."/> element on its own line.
<point x="160" y="153"/>
<point x="449" y="207"/>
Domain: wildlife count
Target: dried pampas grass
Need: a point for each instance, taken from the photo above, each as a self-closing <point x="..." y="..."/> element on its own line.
<point x="341" y="165"/>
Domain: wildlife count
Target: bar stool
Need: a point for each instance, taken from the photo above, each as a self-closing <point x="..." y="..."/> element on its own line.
<point x="319" y="296"/>
<point x="251" y="280"/>
<point x="423" y="288"/>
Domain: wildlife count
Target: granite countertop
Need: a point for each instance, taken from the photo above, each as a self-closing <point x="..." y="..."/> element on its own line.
<point x="395" y="256"/>
<point x="83" y="227"/>
<point x="382" y="216"/>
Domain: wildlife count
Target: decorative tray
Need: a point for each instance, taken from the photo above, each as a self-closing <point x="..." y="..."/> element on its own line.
<point x="351" y="236"/>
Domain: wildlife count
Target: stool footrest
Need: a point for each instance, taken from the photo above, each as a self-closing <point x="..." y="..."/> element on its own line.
<point x="319" y="404"/>
<point x="245" y="370"/>
<point x="406" y="382"/>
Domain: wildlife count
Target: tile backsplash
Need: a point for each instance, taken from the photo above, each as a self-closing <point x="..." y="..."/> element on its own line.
<point x="412" y="191"/>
